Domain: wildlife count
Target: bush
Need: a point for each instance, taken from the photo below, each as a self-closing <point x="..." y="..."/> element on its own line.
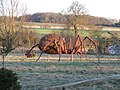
<point x="8" y="80"/>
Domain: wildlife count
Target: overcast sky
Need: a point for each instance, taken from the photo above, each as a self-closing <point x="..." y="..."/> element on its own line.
<point x="101" y="8"/>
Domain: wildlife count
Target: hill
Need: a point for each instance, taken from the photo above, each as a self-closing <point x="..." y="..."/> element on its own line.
<point x="61" y="19"/>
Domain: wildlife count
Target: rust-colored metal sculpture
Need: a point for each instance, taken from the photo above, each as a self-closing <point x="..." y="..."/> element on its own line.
<point x="55" y="44"/>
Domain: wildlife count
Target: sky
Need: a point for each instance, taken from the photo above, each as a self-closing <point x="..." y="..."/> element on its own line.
<point x="100" y="8"/>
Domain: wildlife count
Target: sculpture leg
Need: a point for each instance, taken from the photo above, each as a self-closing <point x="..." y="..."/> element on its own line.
<point x="39" y="56"/>
<point x="71" y="57"/>
<point x="59" y="57"/>
<point x="80" y="55"/>
<point x="23" y="59"/>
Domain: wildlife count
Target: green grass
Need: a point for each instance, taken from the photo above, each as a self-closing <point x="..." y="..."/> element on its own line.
<point x="82" y="33"/>
<point x="46" y="31"/>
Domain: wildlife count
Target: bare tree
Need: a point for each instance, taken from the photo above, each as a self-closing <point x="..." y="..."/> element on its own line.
<point x="76" y="16"/>
<point x="9" y="27"/>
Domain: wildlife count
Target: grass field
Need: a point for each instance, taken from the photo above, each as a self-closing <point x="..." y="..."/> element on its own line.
<point x="43" y="74"/>
<point x="49" y="72"/>
<point x="46" y="31"/>
<point x="82" y="33"/>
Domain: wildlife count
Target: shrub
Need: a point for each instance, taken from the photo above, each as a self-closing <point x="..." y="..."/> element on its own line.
<point x="8" y="80"/>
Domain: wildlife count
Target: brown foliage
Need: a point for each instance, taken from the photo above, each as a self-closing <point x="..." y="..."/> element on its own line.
<point x="63" y="18"/>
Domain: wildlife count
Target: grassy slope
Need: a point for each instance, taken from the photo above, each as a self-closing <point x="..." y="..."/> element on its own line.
<point x="48" y="31"/>
<point x="81" y="32"/>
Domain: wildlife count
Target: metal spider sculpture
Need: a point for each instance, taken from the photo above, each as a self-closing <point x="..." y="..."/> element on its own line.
<point x="55" y="44"/>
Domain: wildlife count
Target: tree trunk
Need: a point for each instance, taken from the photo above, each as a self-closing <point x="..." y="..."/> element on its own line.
<point x="76" y="30"/>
